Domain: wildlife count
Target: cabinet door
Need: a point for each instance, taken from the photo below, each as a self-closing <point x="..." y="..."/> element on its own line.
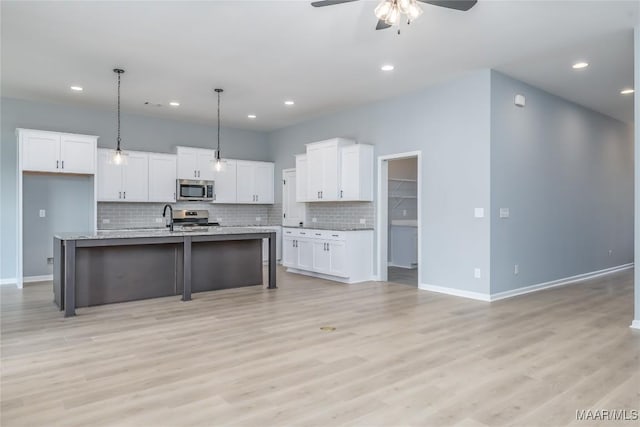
<point x="263" y="182"/>
<point x="330" y="172"/>
<point x="206" y="164"/>
<point x="77" y="154"/>
<point x="289" y="252"/>
<point x="321" y="261"/>
<point x="305" y="254"/>
<point x="293" y="212"/>
<point x="187" y="163"/>
<point x="337" y="257"/>
<point x="315" y="170"/>
<point x="136" y="178"/>
<point x="349" y="176"/>
<point x="40" y="151"/>
<point x="301" y="178"/>
<point x="224" y="185"/>
<point x="245" y="184"/>
<point x="109" y="176"/>
<point x="162" y="178"/>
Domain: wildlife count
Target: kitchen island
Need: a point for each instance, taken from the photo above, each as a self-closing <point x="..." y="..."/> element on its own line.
<point x="117" y="266"/>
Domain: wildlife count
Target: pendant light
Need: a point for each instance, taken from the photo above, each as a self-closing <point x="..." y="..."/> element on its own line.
<point x="218" y="164"/>
<point x="118" y="155"/>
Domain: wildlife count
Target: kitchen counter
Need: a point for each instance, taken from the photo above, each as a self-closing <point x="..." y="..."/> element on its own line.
<point x="127" y="265"/>
<point x="332" y="228"/>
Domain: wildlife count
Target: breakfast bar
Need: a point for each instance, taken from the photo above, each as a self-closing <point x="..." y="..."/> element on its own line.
<point x="117" y="266"/>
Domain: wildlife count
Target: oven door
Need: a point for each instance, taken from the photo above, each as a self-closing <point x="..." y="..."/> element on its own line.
<point x="191" y="190"/>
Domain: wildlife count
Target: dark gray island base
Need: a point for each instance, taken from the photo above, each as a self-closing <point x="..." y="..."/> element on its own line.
<point x="109" y="267"/>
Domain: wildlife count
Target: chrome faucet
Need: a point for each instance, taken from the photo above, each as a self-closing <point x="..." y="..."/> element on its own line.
<point x="164" y="214"/>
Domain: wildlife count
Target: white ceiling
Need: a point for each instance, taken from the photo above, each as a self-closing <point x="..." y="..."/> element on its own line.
<point x="263" y="52"/>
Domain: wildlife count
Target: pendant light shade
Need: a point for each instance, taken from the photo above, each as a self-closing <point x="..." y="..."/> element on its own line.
<point x="119" y="157"/>
<point x="218" y="162"/>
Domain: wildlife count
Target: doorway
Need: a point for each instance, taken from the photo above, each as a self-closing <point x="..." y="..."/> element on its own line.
<point x="399" y="218"/>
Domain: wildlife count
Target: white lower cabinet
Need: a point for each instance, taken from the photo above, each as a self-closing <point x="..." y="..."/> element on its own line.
<point x="343" y="256"/>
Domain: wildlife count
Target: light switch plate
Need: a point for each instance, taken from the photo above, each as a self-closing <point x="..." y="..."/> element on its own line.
<point x="363" y="221"/>
<point x="159" y="220"/>
<point x="42" y="213"/>
<point x="258" y="219"/>
<point x="106" y="221"/>
<point x="314" y="219"/>
<point x="504" y="212"/>
<point x="477" y="273"/>
<point x="478" y="212"/>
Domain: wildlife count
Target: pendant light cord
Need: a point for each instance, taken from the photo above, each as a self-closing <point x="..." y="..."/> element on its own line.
<point x="118" y="149"/>
<point x="218" y="91"/>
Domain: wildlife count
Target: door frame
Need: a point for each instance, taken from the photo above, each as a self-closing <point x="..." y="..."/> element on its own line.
<point x="383" y="210"/>
<point x="303" y="204"/>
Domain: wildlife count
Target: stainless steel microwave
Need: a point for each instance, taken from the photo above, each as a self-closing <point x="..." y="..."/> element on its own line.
<point x="194" y="191"/>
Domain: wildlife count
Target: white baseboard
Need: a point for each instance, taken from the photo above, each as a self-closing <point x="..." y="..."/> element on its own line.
<point x="559" y="282"/>
<point x="327" y="276"/>
<point x="528" y="289"/>
<point x="9" y="281"/>
<point x="408" y="267"/>
<point x="32" y="279"/>
<point x="455" y="292"/>
<point x="635" y="324"/>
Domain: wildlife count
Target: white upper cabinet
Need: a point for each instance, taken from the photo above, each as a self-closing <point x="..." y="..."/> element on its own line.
<point x="323" y="169"/>
<point x="224" y="186"/>
<point x="255" y="182"/>
<point x="127" y="182"/>
<point x="162" y="177"/>
<point x="43" y="151"/>
<point x="196" y="163"/>
<point x="301" y="177"/>
<point x="356" y="173"/>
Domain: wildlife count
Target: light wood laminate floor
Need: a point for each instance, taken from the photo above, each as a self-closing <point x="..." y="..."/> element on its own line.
<point x="254" y="357"/>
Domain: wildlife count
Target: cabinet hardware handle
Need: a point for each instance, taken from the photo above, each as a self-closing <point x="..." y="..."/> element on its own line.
<point x="174" y="197"/>
<point x="341" y="193"/>
<point x="195" y="174"/>
<point x="302" y="233"/>
<point x="318" y="234"/>
<point x="124" y="194"/>
<point x="63" y="164"/>
<point x="119" y="194"/>
<point x="57" y="162"/>
<point x="335" y="235"/>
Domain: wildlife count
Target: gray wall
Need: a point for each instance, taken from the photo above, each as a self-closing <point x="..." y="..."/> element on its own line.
<point x="566" y="175"/>
<point x="138" y="132"/>
<point x="450" y="124"/>
<point x="67" y="200"/>
<point x="636" y="50"/>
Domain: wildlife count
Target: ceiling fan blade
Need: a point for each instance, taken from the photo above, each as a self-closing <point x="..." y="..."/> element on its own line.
<point x="452" y="4"/>
<point x="382" y="25"/>
<point x="323" y="3"/>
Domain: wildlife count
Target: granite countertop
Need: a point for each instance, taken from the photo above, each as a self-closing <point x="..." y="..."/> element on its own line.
<point x="332" y="228"/>
<point x="155" y="232"/>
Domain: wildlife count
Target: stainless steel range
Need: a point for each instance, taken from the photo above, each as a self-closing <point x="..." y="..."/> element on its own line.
<point x="192" y="220"/>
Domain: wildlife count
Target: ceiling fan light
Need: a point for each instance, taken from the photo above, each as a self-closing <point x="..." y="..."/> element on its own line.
<point x="414" y="11"/>
<point x="383" y="9"/>
<point x="404" y="5"/>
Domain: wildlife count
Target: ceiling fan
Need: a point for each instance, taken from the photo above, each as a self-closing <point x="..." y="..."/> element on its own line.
<point x="390" y="12"/>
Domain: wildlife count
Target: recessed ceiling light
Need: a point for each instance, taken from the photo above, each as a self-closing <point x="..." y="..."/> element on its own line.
<point x="387" y="67"/>
<point x="289" y="102"/>
<point x="251" y="116"/>
<point x="174" y="104"/>
<point x="627" y="91"/>
<point x="77" y="88"/>
<point x="579" y="65"/>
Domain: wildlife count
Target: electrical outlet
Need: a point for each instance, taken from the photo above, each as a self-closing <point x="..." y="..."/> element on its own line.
<point x="219" y="220"/>
<point x="314" y="219"/>
<point x="50" y="260"/>
<point x="478" y="212"/>
<point x="42" y="213"/>
<point x="363" y="221"/>
<point x="610" y="252"/>
<point x="516" y="269"/>
<point x="504" y="212"/>
<point x="477" y="273"/>
<point x="159" y="220"/>
<point x="258" y="219"/>
<point x="404" y="212"/>
<point x="106" y="221"/>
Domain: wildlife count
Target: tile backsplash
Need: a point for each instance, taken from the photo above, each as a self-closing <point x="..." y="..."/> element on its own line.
<point x="113" y="216"/>
<point x="341" y="214"/>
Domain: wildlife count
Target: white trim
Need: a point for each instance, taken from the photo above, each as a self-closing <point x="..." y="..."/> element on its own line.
<point x="635" y="324"/>
<point x="382" y="211"/>
<point x="455" y="292"/>
<point x="8" y="281"/>
<point x="406" y="267"/>
<point x="32" y="279"/>
<point x="559" y="282"/>
<point x="327" y="276"/>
